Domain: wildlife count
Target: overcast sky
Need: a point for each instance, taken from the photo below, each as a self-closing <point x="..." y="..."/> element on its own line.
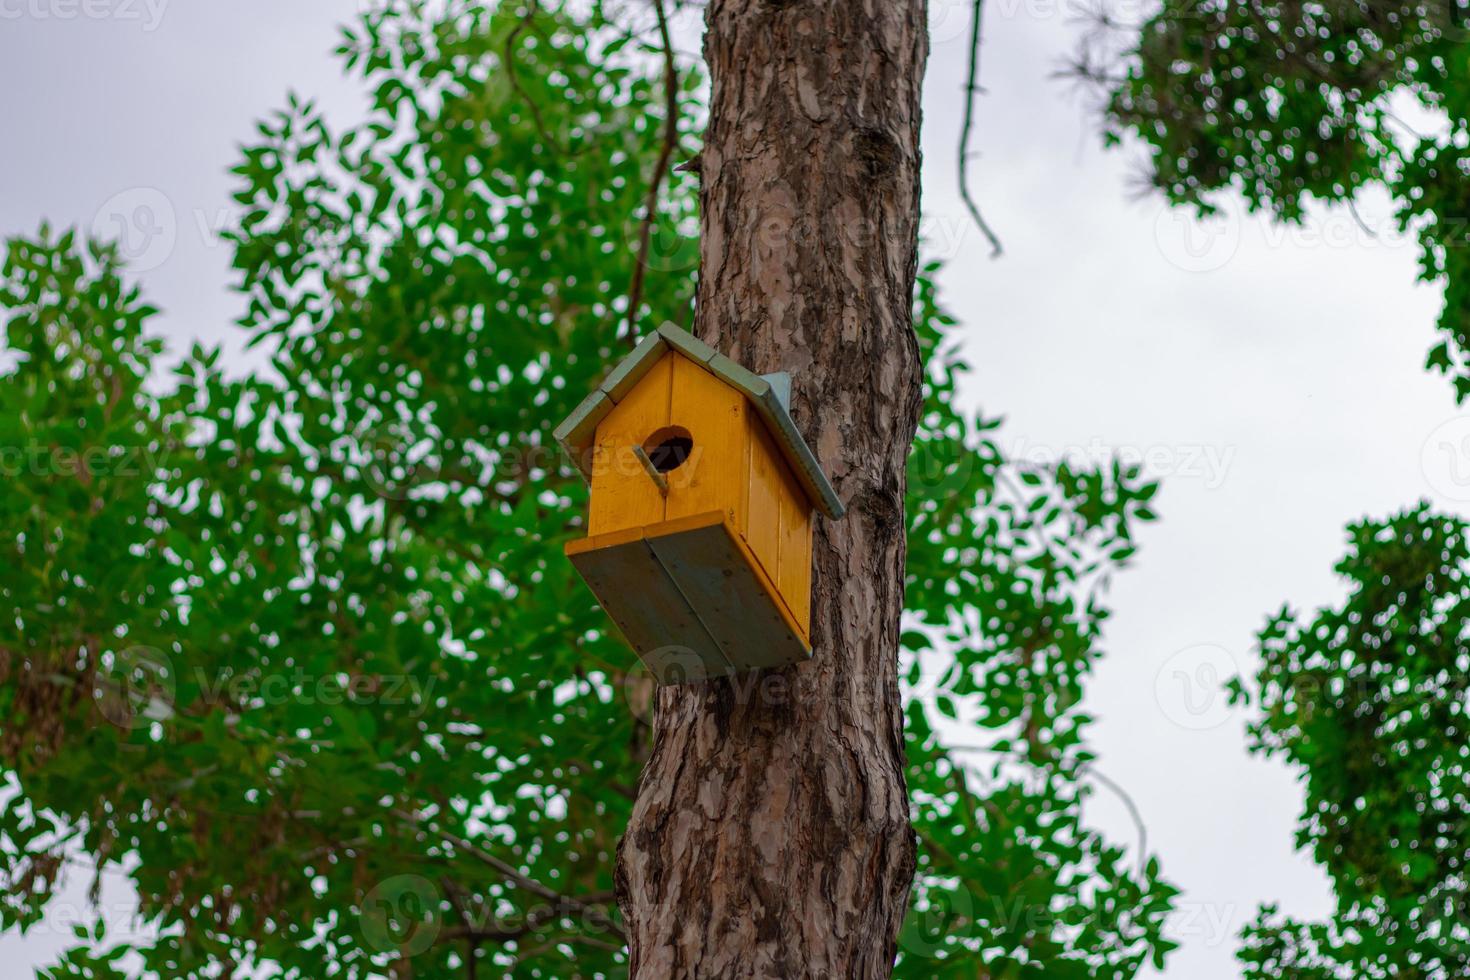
<point x="1272" y="377"/>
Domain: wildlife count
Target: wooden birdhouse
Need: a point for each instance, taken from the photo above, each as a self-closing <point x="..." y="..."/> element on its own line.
<point x="699" y="538"/>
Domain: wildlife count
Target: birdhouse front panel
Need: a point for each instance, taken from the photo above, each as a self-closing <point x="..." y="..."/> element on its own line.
<point x="622" y="494"/>
<point x="714" y="415"/>
<point x="692" y="428"/>
<point x="700" y="526"/>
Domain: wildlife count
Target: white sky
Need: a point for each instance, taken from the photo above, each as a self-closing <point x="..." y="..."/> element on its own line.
<point x="1271" y="376"/>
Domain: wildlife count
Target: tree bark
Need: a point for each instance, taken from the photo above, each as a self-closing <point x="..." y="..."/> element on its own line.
<point x="771" y="835"/>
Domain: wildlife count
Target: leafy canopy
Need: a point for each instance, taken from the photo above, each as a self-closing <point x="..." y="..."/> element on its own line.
<point x="302" y="643"/>
<point x="1289" y="103"/>
<point x="1368" y="701"/>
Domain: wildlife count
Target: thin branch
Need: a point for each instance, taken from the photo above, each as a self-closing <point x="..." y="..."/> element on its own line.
<point x="1353" y="210"/>
<point x="1407" y="128"/>
<point x="508" y="870"/>
<point x="971" y="90"/>
<point x="1089" y="769"/>
<point x="1133" y="811"/>
<point x="589" y="903"/>
<point x="531" y="10"/>
<point x="660" y="171"/>
<point x="536" y="951"/>
<point x="471" y="937"/>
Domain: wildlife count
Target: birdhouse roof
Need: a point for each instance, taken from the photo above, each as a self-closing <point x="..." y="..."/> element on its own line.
<point x="769" y="395"/>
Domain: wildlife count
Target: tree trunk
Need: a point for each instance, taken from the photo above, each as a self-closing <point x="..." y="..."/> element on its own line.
<point x="771" y="836"/>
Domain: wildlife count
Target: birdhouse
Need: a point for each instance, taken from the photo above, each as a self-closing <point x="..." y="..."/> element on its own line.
<point x="704" y="494"/>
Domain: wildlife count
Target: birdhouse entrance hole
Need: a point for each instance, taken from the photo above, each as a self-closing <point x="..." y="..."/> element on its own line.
<point x="669" y="448"/>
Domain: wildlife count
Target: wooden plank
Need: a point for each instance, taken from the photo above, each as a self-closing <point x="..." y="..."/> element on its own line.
<point x="610" y="539"/>
<point x="686" y="343"/>
<point x="578" y="430"/>
<point x="622" y="494"/>
<point x="794" y="569"/>
<point x="648" y="608"/>
<point x="768" y="582"/>
<point x="631" y="370"/>
<point x="753" y="385"/>
<point x="798" y="454"/>
<point x="763" y="514"/>
<point x="690" y="522"/>
<point x="747" y="452"/>
<point x="733" y="598"/>
<point x="714" y="413"/>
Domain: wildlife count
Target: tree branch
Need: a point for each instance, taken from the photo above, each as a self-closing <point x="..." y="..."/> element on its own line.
<point x="515" y="81"/>
<point x="660" y="170"/>
<point x="588" y="903"/>
<point x="971" y="90"/>
<point x="1133" y="811"/>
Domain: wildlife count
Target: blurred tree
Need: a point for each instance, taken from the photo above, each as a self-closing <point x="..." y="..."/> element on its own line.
<point x="1369" y="702"/>
<point x="1290" y="103"/>
<point x="302" y="642"/>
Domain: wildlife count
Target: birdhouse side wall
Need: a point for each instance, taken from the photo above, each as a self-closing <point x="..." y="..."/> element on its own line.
<point x="794" y="565"/>
<point x="762" y="526"/>
<point x="777" y="522"/>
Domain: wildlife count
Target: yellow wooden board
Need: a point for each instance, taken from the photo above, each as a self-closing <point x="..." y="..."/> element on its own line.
<point x="622" y="494"/>
<point x="763" y="513"/>
<point x="714" y="414"/>
<point x="794" y="574"/>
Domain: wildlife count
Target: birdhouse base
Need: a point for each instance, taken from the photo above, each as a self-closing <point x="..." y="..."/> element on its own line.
<point x="691" y="598"/>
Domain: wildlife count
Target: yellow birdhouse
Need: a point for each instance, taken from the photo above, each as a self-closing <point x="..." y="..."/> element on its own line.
<point x="699" y="538"/>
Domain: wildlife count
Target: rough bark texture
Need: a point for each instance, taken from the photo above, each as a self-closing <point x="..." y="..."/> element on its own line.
<point x="771" y="836"/>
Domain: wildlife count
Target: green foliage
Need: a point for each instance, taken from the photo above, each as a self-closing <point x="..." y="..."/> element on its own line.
<point x="313" y="656"/>
<point x="1289" y="103"/>
<point x="1368" y="701"/>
